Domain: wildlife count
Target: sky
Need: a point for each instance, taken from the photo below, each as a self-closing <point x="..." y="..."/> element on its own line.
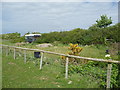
<point x="48" y="16"/>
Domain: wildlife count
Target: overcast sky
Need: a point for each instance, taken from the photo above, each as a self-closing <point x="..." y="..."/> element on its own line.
<point x="45" y="17"/>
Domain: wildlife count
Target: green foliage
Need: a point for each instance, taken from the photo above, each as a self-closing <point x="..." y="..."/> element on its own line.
<point x="13" y="37"/>
<point x="98" y="71"/>
<point x="10" y="36"/>
<point x="86" y="75"/>
<point x="94" y="35"/>
<point x="104" y="21"/>
<point x="56" y="43"/>
<point x="20" y="39"/>
<point x="16" y="74"/>
<point x="94" y="27"/>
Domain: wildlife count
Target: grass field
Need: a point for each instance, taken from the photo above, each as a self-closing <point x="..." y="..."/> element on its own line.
<point x="0" y="69"/>
<point x="17" y="74"/>
<point x="88" y="51"/>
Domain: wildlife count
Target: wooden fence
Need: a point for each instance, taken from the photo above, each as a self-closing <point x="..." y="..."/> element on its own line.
<point x="67" y="59"/>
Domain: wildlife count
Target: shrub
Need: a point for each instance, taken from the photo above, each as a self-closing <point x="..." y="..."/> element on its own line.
<point x="97" y="72"/>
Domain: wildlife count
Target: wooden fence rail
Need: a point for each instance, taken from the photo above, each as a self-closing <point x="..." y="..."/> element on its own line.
<point x="70" y="56"/>
<point x="109" y="68"/>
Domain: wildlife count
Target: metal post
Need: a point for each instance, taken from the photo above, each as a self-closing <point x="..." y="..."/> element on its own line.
<point x="14" y="53"/>
<point x="24" y="56"/>
<point x="109" y="74"/>
<point x="66" y="68"/>
<point x="41" y="59"/>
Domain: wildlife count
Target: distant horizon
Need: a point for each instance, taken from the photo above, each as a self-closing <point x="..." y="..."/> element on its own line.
<point x="45" y="17"/>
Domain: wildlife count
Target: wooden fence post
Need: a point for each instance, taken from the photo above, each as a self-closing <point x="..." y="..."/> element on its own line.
<point x="6" y="51"/>
<point x="19" y="52"/>
<point x="41" y="59"/>
<point x="25" y="56"/>
<point x="66" y="68"/>
<point x="14" y="53"/>
<point x="109" y="74"/>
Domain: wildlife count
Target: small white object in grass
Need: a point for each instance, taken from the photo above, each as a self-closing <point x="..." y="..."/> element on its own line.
<point x="69" y="82"/>
<point x="58" y="85"/>
<point x="29" y="67"/>
<point x="108" y="55"/>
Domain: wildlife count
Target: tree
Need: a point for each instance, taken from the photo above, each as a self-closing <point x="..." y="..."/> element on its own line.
<point x="104" y="21"/>
<point x="94" y="27"/>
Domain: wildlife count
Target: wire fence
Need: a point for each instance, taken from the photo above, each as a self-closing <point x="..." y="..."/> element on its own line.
<point x="26" y="55"/>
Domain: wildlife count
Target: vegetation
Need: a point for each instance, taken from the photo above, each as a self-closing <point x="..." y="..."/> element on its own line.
<point x="0" y="70"/>
<point x="104" y="21"/>
<point x="75" y="49"/>
<point x="13" y="37"/>
<point x="51" y="76"/>
<point x="91" y="42"/>
<point x="90" y="75"/>
<point x="94" y="35"/>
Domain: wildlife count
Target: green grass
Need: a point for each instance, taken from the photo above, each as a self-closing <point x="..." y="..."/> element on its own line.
<point x="16" y="74"/>
<point x="88" y="51"/>
<point x="0" y="69"/>
<point x="6" y="42"/>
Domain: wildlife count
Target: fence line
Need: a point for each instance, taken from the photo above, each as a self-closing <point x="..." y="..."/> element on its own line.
<point x="70" y="56"/>
<point x="109" y="68"/>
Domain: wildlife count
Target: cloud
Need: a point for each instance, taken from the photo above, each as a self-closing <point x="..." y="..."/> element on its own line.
<point x="54" y="16"/>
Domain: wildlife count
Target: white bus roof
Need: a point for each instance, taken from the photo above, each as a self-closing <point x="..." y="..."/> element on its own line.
<point x="33" y="35"/>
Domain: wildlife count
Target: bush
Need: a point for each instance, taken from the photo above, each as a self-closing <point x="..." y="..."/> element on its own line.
<point x="13" y="37"/>
<point x="98" y="72"/>
<point x="93" y="35"/>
